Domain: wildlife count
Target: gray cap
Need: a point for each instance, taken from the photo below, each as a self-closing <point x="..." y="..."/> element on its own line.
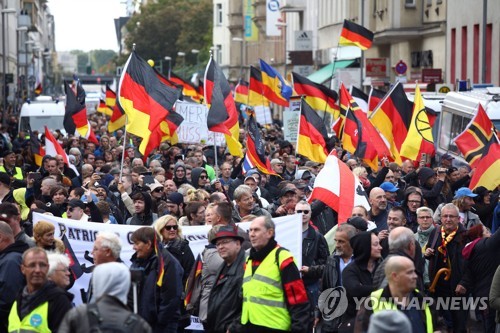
<point x="388" y="321"/>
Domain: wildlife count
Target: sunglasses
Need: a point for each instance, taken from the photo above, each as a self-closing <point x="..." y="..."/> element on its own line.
<point x="158" y="190"/>
<point x="203" y="177"/>
<point x="170" y="227"/>
<point x="302" y="211"/>
<point x="70" y="209"/>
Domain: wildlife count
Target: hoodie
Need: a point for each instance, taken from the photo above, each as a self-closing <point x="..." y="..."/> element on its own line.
<point x="112" y="279"/>
<point x="195" y="176"/>
<point x="147" y="217"/>
<point x="179" y="181"/>
<point x="361" y="245"/>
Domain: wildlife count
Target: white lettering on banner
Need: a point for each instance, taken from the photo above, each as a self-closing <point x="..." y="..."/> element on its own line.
<point x="81" y="236"/>
<point x="194" y="127"/>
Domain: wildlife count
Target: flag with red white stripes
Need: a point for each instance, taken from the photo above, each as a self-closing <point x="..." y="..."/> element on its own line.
<point x="339" y="188"/>
<point x="53" y="148"/>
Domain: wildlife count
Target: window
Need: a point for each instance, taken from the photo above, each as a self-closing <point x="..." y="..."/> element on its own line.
<point x="451" y="126"/>
<point x="428" y="3"/>
<point x="410" y="3"/>
<point x="218" y="14"/>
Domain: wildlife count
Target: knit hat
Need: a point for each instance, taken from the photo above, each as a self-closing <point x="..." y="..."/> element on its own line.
<point x="175" y="198"/>
<point x="358" y="222"/>
<point x="388" y="321"/>
<point x="424" y="174"/>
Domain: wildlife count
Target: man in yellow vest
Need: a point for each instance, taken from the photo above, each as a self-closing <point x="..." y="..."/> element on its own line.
<point x="274" y="296"/>
<point x="8" y="165"/>
<point x="41" y="305"/>
<point x="400" y="295"/>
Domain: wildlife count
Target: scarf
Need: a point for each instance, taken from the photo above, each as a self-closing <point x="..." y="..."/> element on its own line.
<point x="445" y="240"/>
<point x="423" y="236"/>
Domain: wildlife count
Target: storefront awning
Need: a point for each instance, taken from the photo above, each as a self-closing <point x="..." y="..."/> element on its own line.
<point x="325" y="73"/>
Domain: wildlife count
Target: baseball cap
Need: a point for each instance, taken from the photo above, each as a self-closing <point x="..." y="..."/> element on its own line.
<point x="249" y="177"/>
<point x="389" y="187"/>
<point x="76" y="203"/>
<point x="311" y="164"/>
<point x="447" y="157"/>
<point x="464" y="192"/>
<point x="358" y="222"/>
<point x="276" y="161"/>
<point x="227" y="231"/>
<point x="7" y="153"/>
<point x="286" y="190"/>
<point x="299" y="183"/>
<point x="175" y="198"/>
<point x="155" y="185"/>
<point x="481" y="191"/>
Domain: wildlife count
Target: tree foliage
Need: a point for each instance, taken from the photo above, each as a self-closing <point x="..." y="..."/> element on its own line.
<point x="170" y="26"/>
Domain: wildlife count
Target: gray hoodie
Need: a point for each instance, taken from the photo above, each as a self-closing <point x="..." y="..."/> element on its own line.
<point x="112" y="279"/>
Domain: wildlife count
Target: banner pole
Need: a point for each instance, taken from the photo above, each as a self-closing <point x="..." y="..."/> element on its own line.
<point x="123" y="152"/>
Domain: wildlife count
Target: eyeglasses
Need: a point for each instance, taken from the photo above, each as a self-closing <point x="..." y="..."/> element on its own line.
<point x="203" y="177"/>
<point x="158" y="190"/>
<point x="424" y="217"/>
<point x="223" y="242"/>
<point x="414" y="202"/>
<point x="448" y="216"/>
<point x="35" y="265"/>
<point x="302" y="211"/>
<point x="170" y="227"/>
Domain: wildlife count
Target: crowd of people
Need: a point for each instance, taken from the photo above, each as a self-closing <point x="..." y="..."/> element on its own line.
<point x="424" y="234"/>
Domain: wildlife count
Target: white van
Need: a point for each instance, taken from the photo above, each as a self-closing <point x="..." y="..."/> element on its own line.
<point x="40" y="113"/>
<point x="458" y="110"/>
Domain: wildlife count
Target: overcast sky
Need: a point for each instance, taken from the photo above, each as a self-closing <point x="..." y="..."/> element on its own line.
<point x="86" y="24"/>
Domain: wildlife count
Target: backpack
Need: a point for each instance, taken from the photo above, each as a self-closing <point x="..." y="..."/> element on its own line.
<point x="96" y="324"/>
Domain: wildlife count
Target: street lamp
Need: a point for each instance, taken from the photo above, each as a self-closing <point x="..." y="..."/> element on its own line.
<point x="197" y="52"/>
<point x="183" y="55"/>
<point x="4" y="61"/>
<point x="169" y="60"/>
<point x="242" y="41"/>
<point x="282" y="26"/>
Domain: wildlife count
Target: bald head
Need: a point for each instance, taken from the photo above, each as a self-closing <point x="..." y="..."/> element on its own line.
<point x="395" y="265"/>
<point x="6" y="235"/>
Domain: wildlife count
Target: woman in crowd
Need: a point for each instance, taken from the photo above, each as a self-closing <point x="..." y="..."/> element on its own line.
<point x="424" y="229"/>
<point x="210" y="214"/>
<point x="43" y="233"/>
<point x="59" y="271"/>
<point x="170" y="232"/>
<point x="59" y="196"/>
<point x="357" y="277"/>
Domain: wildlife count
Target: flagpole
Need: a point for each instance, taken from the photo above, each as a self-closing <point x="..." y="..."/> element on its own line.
<point x="298" y="127"/>
<point x="382" y="101"/>
<point x="215" y="155"/>
<point x="123" y="151"/>
<point x="330" y="85"/>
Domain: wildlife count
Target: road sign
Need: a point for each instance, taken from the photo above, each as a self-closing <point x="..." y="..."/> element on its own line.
<point x="376" y="67"/>
<point x="401" y="67"/>
<point x="303" y="40"/>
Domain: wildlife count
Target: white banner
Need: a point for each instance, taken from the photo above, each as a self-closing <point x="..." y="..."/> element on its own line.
<point x="273" y="17"/>
<point x="194" y="127"/>
<point x="82" y="236"/>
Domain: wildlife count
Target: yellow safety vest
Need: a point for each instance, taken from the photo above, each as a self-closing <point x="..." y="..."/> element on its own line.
<point x="18" y="175"/>
<point x="379" y="305"/>
<point x="263" y="297"/>
<point x="36" y="321"/>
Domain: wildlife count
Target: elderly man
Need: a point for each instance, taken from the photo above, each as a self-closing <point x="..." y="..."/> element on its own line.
<point x="41" y="305"/>
<point x="274" y="296"/>
<point x="245" y="204"/>
<point x="444" y="250"/>
<point x="224" y="306"/>
<point x="107" y="248"/>
<point x="11" y="278"/>
<point x="401" y="295"/>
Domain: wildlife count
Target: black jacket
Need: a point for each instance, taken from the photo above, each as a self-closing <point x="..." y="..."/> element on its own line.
<point x="481" y="261"/>
<point x="58" y="299"/>
<point x="180" y="249"/>
<point x="159" y="306"/>
<point x="323" y="217"/>
<point x="314" y="253"/>
<point x="224" y="304"/>
<point x="454" y="250"/>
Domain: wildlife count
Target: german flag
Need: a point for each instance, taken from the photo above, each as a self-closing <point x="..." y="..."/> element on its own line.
<point x="276" y="88"/>
<point x="36" y="148"/>
<point x="419" y="139"/>
<point x="475" y="141"/>
<point x="360" y="97"/>
<point x="355" y="35"/>
<point x="222" y="113"/>
<point x="104" y="109"/>
<point x="256" y="151"/>
<point x="75" y="116"/>
<point x="161" y="264"/>
<point x="392" y="119"/>
<point x="193" y="280"/>
<point x="319" y="97"/>
<point x="74" y="264"/>
<point x="187" y="88"/>
<point x="118" y="117"/>
<point x="486" y="173"/>
<point x="312" y="138"/>
<point x="241" y="92"/>
<point x="147" y="102"/>
<point x="256" y="89"/>
<point x="374" y="99"/>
